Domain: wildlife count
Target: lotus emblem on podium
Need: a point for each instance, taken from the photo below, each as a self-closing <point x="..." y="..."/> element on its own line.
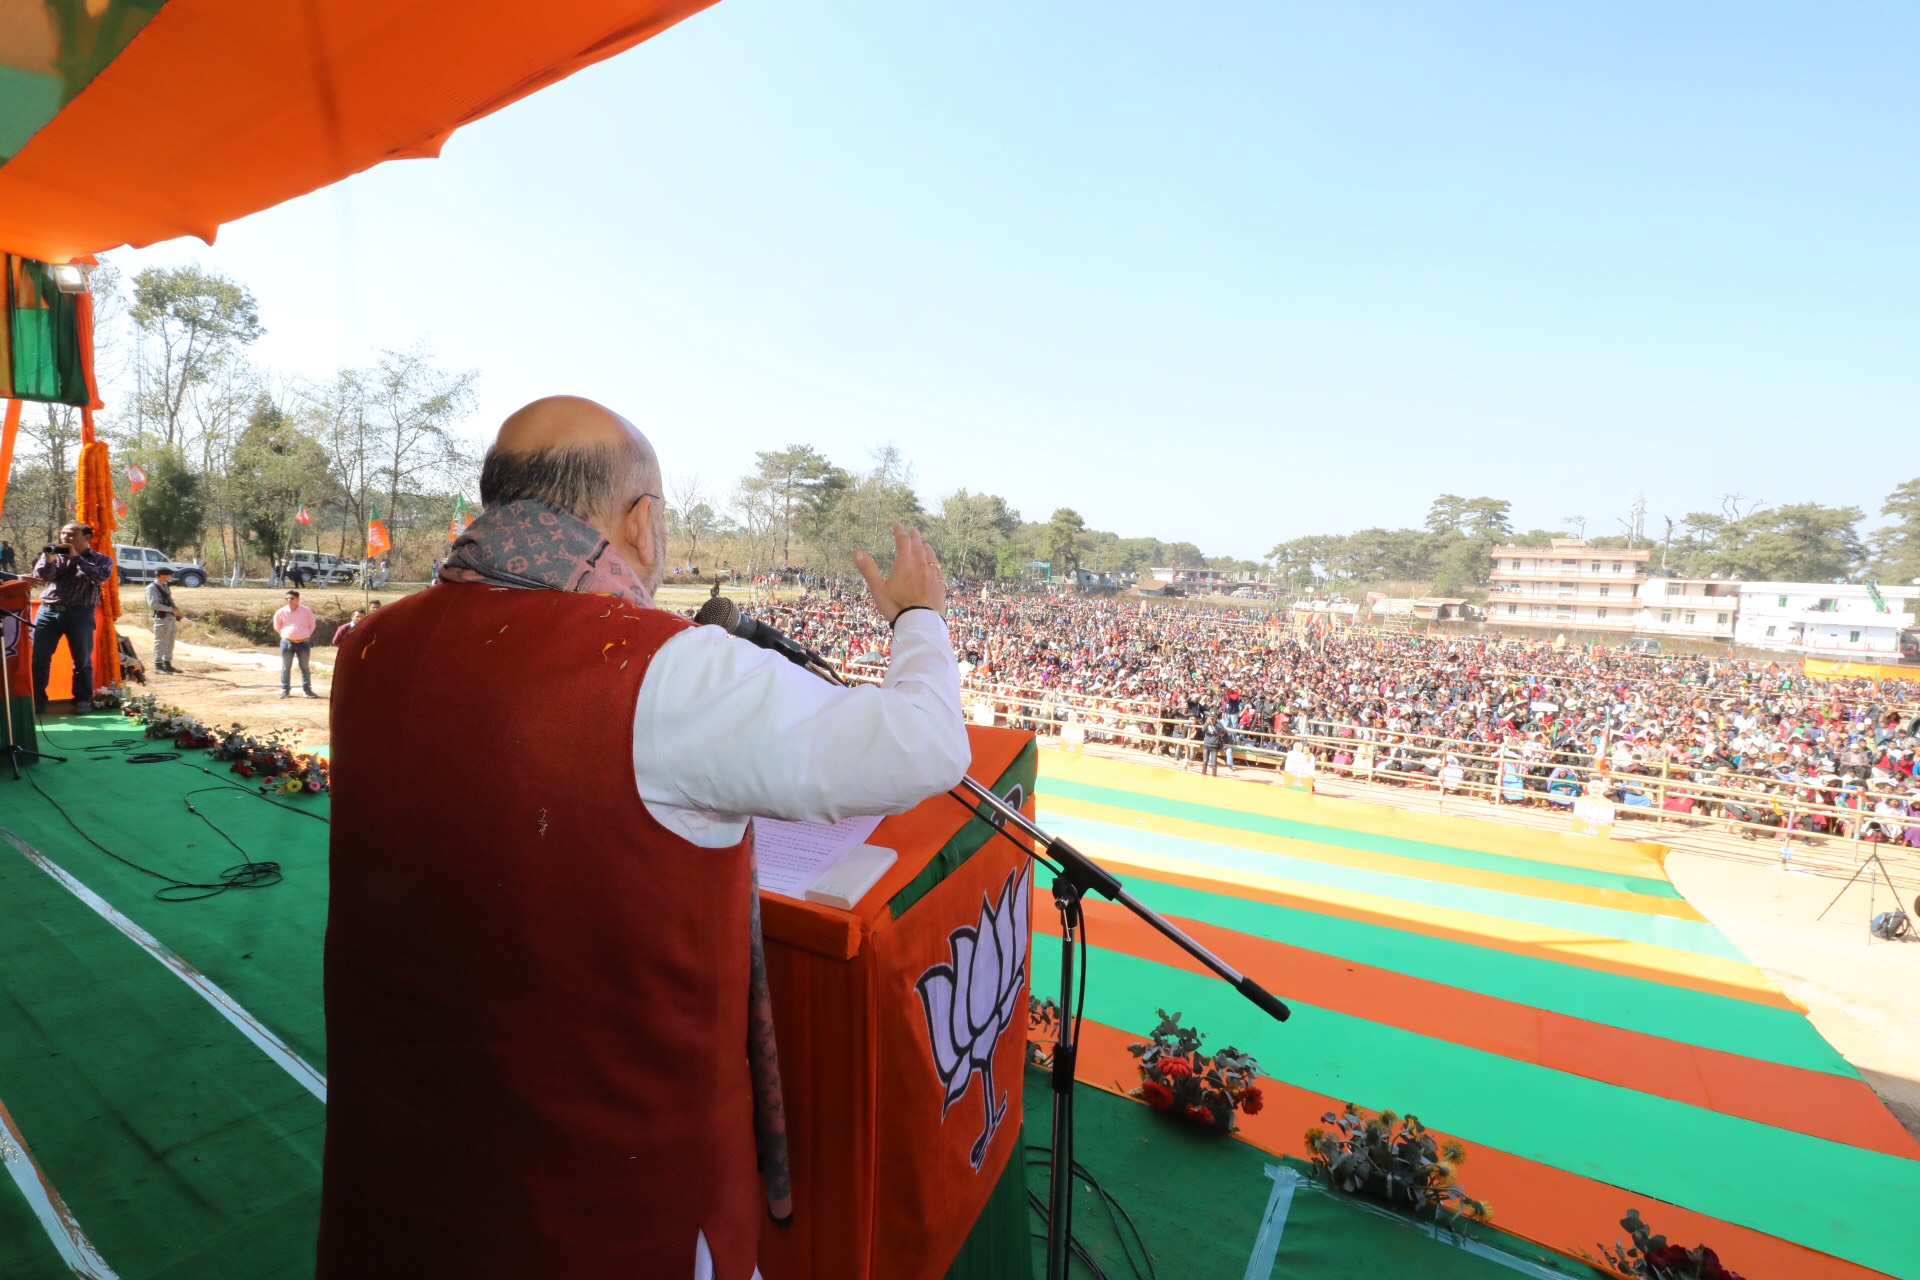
<point x="971" y="1002"/>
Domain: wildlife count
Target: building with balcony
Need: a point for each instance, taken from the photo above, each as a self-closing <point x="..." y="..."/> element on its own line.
<point x="1826" y="619"/>
<point x="1567" y="586"/>
<point x="1689" y="608"/>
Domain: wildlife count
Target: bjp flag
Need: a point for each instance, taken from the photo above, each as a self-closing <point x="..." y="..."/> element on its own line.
<point x="303" y="516"/>
<point x="136" y="477"/>
<point x="462" y="517"/>
<point x="378" y="543"/>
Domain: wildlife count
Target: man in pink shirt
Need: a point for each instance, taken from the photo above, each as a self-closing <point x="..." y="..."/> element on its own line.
<point x="295" y="623"/>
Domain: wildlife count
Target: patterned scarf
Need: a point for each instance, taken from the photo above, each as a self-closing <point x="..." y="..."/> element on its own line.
<point x="537" y="546"/>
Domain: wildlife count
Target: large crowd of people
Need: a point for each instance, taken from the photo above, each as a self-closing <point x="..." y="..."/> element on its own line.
<point x="1523" y="719"/>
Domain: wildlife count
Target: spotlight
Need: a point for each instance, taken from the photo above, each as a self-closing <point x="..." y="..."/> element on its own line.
<point x="70" y="277"/>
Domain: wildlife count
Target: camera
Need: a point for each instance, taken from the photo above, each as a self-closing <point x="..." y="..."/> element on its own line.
<point x="53" y="549"/>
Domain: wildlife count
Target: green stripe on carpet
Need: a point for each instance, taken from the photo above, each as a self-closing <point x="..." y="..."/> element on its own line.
<point x="1198" y="1200"/>
<point x="1341" y="838"/>
<point x="1695" y="936"/>
<point x="181" y="1149"/>
<point x="1842" y="1200"/>
<point x="262" y="946"/>
<point x="1765" y="1032"/>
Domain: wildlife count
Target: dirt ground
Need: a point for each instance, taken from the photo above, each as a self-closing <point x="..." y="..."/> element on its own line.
<point x="226" y="679"/>
<point x="1863" y="994"/>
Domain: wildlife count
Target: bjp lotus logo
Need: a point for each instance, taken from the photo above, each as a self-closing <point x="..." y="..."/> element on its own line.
<point x="971" y="1002"/>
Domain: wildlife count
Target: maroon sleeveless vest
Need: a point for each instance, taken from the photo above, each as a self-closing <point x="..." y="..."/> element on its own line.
<point x="536" y="994"/>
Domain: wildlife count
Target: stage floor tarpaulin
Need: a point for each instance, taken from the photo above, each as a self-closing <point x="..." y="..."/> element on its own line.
<point x="1551" y="1002"/>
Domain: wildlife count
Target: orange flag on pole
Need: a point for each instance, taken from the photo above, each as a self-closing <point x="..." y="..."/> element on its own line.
<point x="378" y="543"/>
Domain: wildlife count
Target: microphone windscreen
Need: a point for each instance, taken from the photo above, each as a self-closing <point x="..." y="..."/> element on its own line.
<point x="719" y="612"/>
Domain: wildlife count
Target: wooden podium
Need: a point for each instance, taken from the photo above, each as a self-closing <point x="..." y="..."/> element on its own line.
<point x="903" y="1029"/>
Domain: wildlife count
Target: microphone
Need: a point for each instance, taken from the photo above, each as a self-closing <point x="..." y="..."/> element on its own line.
<point x="718" y="611"/>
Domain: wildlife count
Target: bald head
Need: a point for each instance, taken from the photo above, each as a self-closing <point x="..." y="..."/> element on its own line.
<point x="588" y="460"/>
<point x="573" y="453"/>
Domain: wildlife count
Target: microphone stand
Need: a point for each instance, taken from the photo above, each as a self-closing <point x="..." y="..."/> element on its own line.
<point x="1078" y="876"/>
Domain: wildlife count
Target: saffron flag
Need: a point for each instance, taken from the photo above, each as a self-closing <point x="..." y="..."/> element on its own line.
<point x="462" y="517"/>
<point x="136" y="478"/>
<point x="120" y="507"/>
<point x="303" y="516"/>
<point x="378" y="543"/>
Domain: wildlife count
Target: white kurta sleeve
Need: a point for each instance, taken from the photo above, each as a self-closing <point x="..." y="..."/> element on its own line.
<point x="723" y="730"/>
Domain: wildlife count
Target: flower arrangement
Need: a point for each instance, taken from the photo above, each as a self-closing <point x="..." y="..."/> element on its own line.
<point x="1393" y="1161"/>
<point x="1650" y="1257"/>
<point x="1204" y="1090"/>
<point x="270" y="758"/>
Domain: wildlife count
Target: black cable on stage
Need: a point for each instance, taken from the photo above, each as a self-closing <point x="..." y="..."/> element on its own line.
<point x="166" y="757"/>
<point x="1125" y="1229"/>
<point x="248" y="874"/>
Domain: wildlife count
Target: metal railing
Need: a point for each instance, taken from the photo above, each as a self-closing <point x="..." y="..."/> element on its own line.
<point x="1502" y="776"/>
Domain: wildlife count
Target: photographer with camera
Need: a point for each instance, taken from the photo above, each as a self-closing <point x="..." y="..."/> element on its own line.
<point x="74" y="573"/>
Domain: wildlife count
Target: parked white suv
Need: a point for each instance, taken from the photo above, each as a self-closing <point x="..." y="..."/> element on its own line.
<point x="323" y="568"/>
<point x="139" y="564"/>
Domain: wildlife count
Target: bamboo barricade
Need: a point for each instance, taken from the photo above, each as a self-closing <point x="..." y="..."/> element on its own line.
<point x="1109" y="721"/>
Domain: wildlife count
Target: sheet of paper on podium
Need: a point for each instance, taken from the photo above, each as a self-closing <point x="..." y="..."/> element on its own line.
<point x="795" y="855"/>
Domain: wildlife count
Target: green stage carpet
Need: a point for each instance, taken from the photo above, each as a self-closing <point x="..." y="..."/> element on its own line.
<point x="1638" y="1063"/>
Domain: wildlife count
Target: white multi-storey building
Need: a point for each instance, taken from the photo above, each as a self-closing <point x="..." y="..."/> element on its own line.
<point x="1688" y="608"/>
<point x="1568" y="585"/>
<point x="1825" y="619"/>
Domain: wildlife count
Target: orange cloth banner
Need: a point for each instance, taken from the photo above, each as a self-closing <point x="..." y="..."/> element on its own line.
<point x="9" y="430"/>
<point x="96" y="510"/>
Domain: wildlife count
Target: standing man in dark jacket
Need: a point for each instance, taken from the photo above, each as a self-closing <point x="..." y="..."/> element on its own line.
<point x="73" y="572"/>
<point x="166" y="619"/>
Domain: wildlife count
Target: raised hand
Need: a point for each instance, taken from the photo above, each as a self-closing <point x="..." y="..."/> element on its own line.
<point x="916" y="580"/>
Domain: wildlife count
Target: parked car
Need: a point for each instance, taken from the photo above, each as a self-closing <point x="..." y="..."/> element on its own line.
<point x="139" y="564"/>
<point x="322" y="568"/>
<point x="1642" y="644"/>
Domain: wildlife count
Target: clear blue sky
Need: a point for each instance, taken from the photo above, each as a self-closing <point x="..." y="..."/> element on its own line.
<point x="1226" y="272"/>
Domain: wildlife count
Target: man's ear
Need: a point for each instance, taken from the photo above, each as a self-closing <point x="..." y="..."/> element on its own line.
<point x="639" y="529"/>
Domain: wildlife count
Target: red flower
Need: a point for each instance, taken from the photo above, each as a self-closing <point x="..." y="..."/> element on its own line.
<point x="1251" y="1101"/>
<point x="1668" y="1256"/>
<point x="1175" y="1068"/>
<point x="1156" y="1095"/>
<point x="1198" y="1114"/>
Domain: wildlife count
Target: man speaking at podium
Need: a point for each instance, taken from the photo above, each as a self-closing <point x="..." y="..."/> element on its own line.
<point x="540" y="945"/>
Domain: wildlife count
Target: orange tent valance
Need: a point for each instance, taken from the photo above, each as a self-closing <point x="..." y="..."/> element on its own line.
<point x="219" y="108"/>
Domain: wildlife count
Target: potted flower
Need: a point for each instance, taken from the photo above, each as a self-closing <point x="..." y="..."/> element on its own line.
<point x="1200" y="1089"/>
<point x="1646" y="1256"/>
<point x="1393" y="1160"/>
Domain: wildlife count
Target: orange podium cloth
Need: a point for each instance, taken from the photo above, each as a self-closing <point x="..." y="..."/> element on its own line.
<point x="896" y="1141"/>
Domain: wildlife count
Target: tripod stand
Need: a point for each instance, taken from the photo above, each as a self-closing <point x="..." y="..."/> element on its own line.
<point x="1079" y="875"/>
<point x="1873" y="885"/>
<point x="14" y="751"/>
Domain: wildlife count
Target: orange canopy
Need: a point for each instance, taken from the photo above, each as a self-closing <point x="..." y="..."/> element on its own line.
<point x="219" y="108"/>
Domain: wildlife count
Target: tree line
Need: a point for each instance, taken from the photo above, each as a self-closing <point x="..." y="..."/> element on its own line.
<point x="1792" y="542"/>
<point x="232" y="454"/>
